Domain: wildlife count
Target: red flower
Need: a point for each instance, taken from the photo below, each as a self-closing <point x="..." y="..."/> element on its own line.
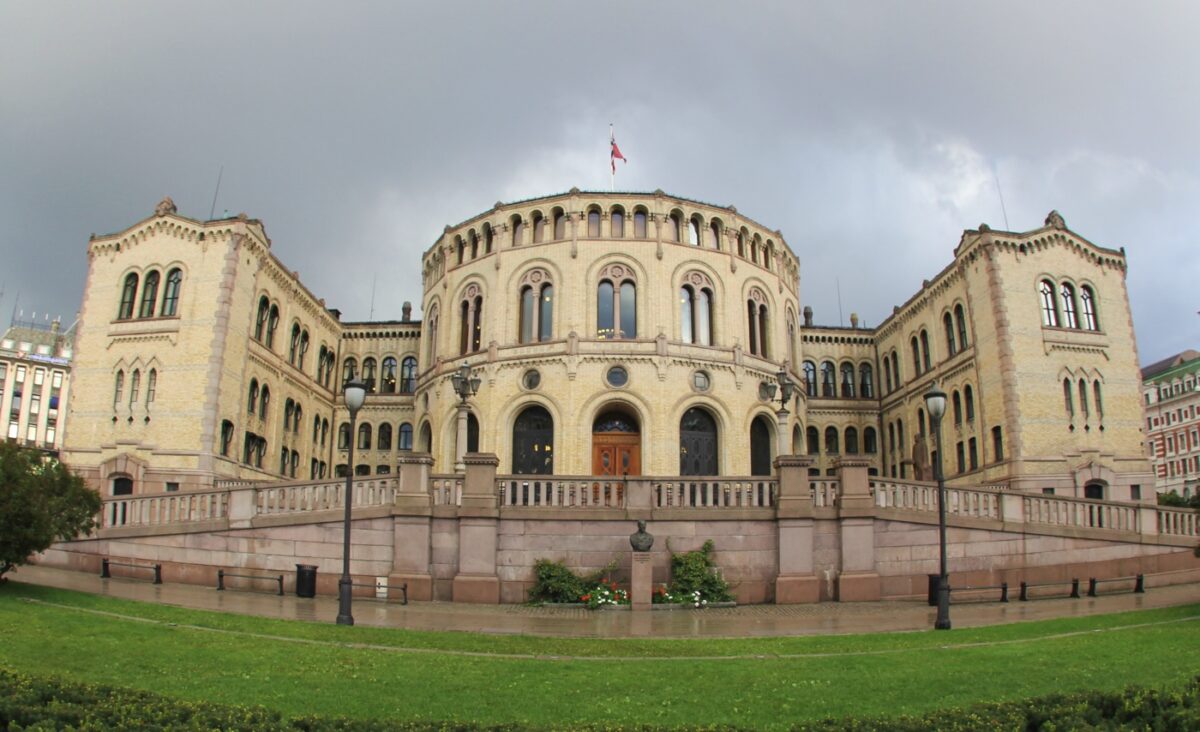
<point x="586" y="597"/>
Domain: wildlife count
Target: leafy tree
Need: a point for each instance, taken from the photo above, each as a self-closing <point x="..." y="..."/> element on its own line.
<point x="41" y="502"/>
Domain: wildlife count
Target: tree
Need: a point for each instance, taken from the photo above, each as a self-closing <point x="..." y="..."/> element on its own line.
<point x="41" y="502"/>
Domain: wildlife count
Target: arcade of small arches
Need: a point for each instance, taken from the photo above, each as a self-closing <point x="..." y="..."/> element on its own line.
<point x="1062" y="309"/>
<point x="389" y="376"/>
<point x="148" y="304"/>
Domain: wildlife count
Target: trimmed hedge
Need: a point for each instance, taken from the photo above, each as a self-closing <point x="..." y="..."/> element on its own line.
<point x="48" y="703"/>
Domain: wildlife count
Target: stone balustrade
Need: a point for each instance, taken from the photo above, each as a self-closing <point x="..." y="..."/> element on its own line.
<point x="905" y="495"/>
<point x="1178" y="522"/>
<point x="1079" y="513"/>
<point x="553" y="491"/>
<point x="164" y="509"/>
<point x="446" y="490"/>
<point x="282" y="498"/>
<point x="715" y="492"/>
<point x="824" y="492"/>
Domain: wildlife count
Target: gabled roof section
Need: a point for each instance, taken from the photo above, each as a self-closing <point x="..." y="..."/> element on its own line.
<point x="1165" y="367"/>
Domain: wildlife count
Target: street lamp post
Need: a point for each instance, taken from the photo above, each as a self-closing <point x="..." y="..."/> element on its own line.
<point x="466" y="385"/>
<point x="935" y="404"/>
<point x="786" y="388"/>
<point x="355" y="394"/>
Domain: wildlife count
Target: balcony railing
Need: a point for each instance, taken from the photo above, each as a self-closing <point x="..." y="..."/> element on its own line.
<point x="164" y="509"/>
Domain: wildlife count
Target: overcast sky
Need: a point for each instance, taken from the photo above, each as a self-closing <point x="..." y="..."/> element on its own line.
<point x="871" y="134"/>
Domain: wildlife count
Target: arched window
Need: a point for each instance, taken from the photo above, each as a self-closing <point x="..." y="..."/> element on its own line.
<point x="896" y="369"/>
<point x="289" y="409"/>
<point x="714" y="234"/>
<point x="470" y="332"/>
<point x="344" y="436"/>
<point x="536" y="308"/>
<point x="387" y="376"/>
<point x="870" y="443"/>
<point x="769" y="255"/>
<point x="128" y="293"/>
<point x="368" y="374"/>
<point x="533" y="442"/>
<point x="384" y="440"/>
<point x="956" y="398"/>
<point x="1068" y="400"/>
<point x="171" y="293"/>
<point x="797" y="439"/>
<point x="741" y="243"/>
<point x="433" y="334"/>
<point x="1088" y="300"/>
<point x="757" y="322"/>
<point x="488" y="235"/>
<point x="760" y="446"/>
<point x="828" y="385"/>
<point x="616" y="223"/>
<point x="260" y="320"/>
<point x="316" y="430"/>
<point x="560" y="225"/>
<point x="1096" y="400"/>
<point x="264" y="401"/>
<point x="813" y="438"/>
<point x="252" y="399"/>
<point x="118" y="388"/>
<point x="1068" y="306"/>
<point x="460" y="247"/>
<point x="675" y="226"/>
<point x="152" y="386"/>
<point x="364" y="436"/>
<point x="294" y="344"/>
<point x="539" y="227"/>
<point x="694" y="226"/>
<point x="283" y="461"/>
<point x="866" y="381"/>
<point x="349" y="370"/>
<point x="1049" y="304"/>
<point x="925" y="359"/>
<point x="831" y="441"/>
<point x="1083" y="398"/>
<point x="847" y="380"/>
<point x="695" y="312"/>
<point x="321" y="364"/>
<point x="149" y="295"/>
<point x="518" y="231"/>
<point x="473" y="238"/>
<point x="272" y="324"/>
<point x="593" y="219"/>
<point x="921" y="422"/>
<point x="408" y="375"/>
<point x="303" y="349"/>
<point x="226" y="437"/>
<point x="916" y="355"/>
<point x="961" y="319"/>
<point x="639" y="224"/>
<point x="135" y="384"/>
<point x="969" y="398"/>
<point x="616" y="304"/>
<point x="406" y="437"/>
<point x="810" y="378"/>
<point x="697" y="443"/>
<point x="948" y="322"/>
<point x="851" y="441"/>
<point x="887" y="375"/>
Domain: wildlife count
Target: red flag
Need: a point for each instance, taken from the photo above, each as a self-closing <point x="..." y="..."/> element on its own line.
<point x="616" y="153"/>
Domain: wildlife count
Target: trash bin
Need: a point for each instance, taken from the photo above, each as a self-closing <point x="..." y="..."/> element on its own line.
<point x="306" y="580"/>
<point x="933" y="589"/>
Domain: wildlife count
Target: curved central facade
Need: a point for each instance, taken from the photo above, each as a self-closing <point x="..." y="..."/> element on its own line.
<point x="612" y="334"/>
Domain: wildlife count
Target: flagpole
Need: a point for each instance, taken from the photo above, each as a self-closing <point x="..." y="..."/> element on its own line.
<point x="612" y="164"/>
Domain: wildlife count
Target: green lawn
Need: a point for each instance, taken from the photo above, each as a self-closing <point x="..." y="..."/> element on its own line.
<point x="309" y="668"/>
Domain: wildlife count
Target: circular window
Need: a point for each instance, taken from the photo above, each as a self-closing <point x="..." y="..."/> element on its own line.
<point x="617" y="376"/>
<point x="701" y="380"/>
<point x="532" y="379"/>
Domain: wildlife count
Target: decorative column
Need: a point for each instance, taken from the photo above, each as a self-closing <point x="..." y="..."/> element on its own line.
<point x="796" y="582"/>
<point x="412" y="527"/>
<point x="478" y="532"/>
<point x="460" y="443"/>
<point x="858" y="582"/>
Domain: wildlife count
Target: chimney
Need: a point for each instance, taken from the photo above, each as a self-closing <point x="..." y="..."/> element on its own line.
<point x="807" y="316"/>
<point x="406" y="312"/>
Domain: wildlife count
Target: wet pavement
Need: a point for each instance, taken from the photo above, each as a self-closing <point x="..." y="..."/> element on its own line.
<point x="746" y="621"/>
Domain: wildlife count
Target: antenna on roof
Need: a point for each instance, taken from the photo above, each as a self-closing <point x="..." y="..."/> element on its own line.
<point x="1000" y="194"/>
<point x="373" y="280"/>
<point x="213" y="209"/>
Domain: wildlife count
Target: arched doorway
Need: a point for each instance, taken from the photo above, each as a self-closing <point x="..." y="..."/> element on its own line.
<point x="760" y="446"/>
<point x="472" y="433"/>
<point x="533" y="442"/>
<point x="425" y="441"/>
<point x="616" y="444"/>
<point x="697" y="443"/>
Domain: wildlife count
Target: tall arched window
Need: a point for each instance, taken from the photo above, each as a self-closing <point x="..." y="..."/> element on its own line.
<point x="303" y="349"/>
<point x="384" y="440"/>
<point x="616" y="304"/>
<point x="757" y="323"/>
<point x="349" y="370"/>
<point x="118" y="388"/>
<point x="887" y="375"/>
<point x="958" y="412"/>
<point x="433" y="334"/>
<point x="343" y="441"/>
<point x="368" y="374"/>
<point x="473" y="238"/>
<point x="593" y="219"/>
<point x="152" y="386"/>
<point x="694" y="226"/>
<point x="405" y="441"/>
<point x="539" y="227"/>
<point x="252" y="399"/>
<point x="408" y="375"/>
<point x="948" y="323"/>
<point x="536" y="307"/>
<point x="810" y="378"/>
<point x="1083" y="398"/>
<point x="149" y="295"/>
<point x="916" y="354"/>
<point x="639" y="224"/>
<point x="1049" y="305"/>
<point x="264" y="401"/>
<point x="226" y="437"/>
<point x="675" y="226"/>
<point x="460" y="247"/>
<point x="533" y="442"/>
<point x="866" y="381"/>
<point x="695" y="311"/>
<point x="1068" y="306"/>
<point x="560" y="225"/>
<point x="1068" y="400"/>
<point x="470" y="321"/>
<point x="616" y="223"/>
<point x="828" y="377"/>
<point x="925" y="357"/>
<point x="289" y="409"/>
<point x="387" y="376"/>
<point x="128" y="294"/>
<point x="870" y="443"/>
<point x="364" y="436"/>
<point x="969" y="398"/>
<point x="961" y="319"/>
<point x="1088" y="300"/>
<point x="896" y="369"/>
<point x="760" y="446"/>
<point x="488" y="235"/>
<point x="294" y="344"/>
<point x="851" y="441"/>
<point x="518" y="231"/>
<point x="272" y="324"/>
<point x="813" y="439"/>
<point x="847" y="380"/>
<point x="1095" y="400"/>
<point x="135" y="385"/>
<point x="831" y="441"/>
<point x="260" y="319"/>
<point x="697" y="443"/>
<point x="171" y="293"/>
<point x="714" y="234"/>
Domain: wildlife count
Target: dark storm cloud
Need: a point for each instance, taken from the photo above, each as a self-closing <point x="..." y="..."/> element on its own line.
<point x="871" y="134"/>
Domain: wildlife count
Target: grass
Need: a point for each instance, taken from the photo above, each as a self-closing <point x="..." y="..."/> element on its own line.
<point x="309" y="668"/>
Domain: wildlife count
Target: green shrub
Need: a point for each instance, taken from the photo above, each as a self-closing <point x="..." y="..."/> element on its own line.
<point x="694" y="572"/>
<point x="555" y="582"/>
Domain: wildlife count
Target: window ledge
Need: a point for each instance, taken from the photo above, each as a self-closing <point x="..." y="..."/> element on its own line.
<point x="143" y="326"/>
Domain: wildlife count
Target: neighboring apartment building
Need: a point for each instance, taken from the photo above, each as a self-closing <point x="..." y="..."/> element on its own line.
<point x="35" y="381"/>
<point x="613" y="334"/>
<point x="1171" y="389"/>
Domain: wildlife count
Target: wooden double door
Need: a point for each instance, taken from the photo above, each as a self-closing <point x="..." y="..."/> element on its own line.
<point x="616" y="453"/>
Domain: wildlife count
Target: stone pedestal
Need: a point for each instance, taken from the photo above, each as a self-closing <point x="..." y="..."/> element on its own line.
<point x="642" y="582"/>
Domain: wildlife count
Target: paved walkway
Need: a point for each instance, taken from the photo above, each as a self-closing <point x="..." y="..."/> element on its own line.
<point x="746" y="621"/>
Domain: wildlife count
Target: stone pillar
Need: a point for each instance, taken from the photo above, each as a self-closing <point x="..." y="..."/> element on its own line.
<point x="796" y="582"/>
<point x="642" y="580"/>
<point x="858" y="581"/>
<point x="782" y="438"/>
<point x="413" y="527"/>
<point x="478" y="532"/>
<point x="243" y="506"/>
<point x="460" y="440"/>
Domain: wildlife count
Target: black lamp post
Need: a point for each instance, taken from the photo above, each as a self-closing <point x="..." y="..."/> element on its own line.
<point x="355" y="393"/>
<point x="935" y="404"/>
<point x="466" y="385"/>
<point x="786" y="388"/>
